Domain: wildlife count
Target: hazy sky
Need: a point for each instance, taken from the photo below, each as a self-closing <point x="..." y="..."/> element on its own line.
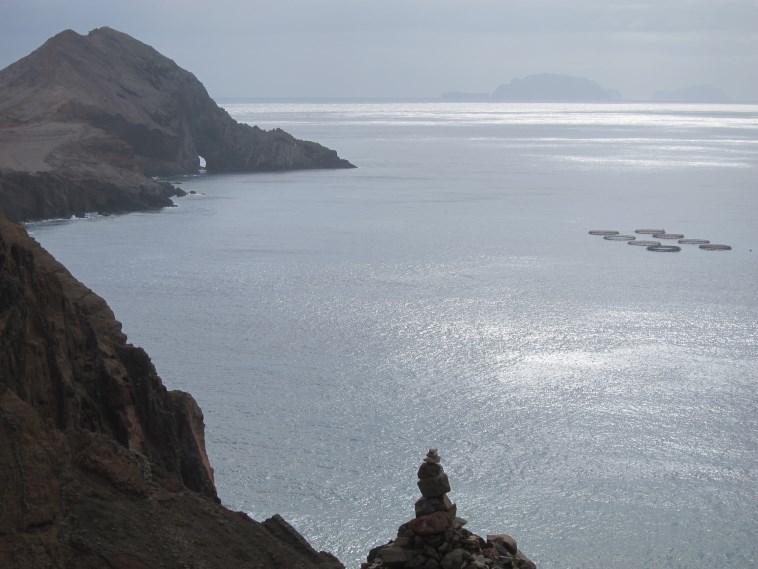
<point x="418" y="48"/>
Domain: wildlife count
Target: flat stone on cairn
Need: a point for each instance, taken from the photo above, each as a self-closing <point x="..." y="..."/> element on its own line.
<point x="436" y="538"/>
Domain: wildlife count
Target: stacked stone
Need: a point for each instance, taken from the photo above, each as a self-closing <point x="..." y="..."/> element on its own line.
<point x="436" y="538"/>
<point x="435" y="513"/>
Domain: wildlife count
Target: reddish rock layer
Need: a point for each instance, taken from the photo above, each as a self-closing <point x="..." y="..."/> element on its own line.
<point x="100" y="465"/>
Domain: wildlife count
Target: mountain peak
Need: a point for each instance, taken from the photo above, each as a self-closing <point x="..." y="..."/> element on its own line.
<point x="105" y="106"/>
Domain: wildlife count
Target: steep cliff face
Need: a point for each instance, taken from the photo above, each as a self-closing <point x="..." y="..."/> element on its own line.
<point x="45" y="195"/>
<point x="100" y="465"/>
<point x="106" y="108"/>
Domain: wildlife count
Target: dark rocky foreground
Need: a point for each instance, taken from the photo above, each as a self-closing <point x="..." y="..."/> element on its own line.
<point x="437" y="539"/>
<point x="101" y="465"/>
<point x="86" y="122"/>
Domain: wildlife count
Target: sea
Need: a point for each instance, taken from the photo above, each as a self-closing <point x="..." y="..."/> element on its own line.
<point x="593" y="399"/>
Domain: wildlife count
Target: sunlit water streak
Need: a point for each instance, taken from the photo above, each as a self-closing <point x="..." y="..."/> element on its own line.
<point x="595" y="400"/>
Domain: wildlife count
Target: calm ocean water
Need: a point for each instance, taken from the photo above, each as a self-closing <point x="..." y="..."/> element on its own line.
<point x="595" y="400"/>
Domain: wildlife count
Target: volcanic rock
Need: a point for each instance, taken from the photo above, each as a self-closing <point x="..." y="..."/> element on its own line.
<point x="101" y="465"/>
<point x="437" y="522"/>
<point x="434" y="486"/>
<point x="429" y="469"/>
<point x="87" y="121"/>
<point x="504" y="540"/>
<point x="429" y="505"/>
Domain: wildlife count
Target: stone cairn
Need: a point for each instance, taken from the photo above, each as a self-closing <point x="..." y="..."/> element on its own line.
<point x="436" y="538"/>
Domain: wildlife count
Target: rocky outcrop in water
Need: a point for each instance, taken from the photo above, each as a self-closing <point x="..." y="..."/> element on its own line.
<point x="87" y="121"/>
<point x="101" y="465"/>
<point x="437" y="539"/>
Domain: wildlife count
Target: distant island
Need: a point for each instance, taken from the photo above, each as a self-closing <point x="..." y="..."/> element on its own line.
<point x="87" y="122"/>
<point x="553" y="87"/>
<point x="462" y="97"/>
<point x="541" y="87"/>
<point x="693" y="94"/>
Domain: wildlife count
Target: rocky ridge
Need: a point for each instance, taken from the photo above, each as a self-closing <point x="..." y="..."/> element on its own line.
<point x="100" y="464"/>
<point x="437" y="539"/>
<point x="86" y="122"/>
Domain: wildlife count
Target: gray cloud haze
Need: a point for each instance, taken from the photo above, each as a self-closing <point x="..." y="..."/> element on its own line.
<point x="418" y="48"/>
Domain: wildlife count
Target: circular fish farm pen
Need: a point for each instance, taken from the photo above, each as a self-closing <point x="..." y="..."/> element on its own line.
<point x="620" y="237"/>
<point x="668" y="235"/>
<point x="649" y="239"/>
<point x="715" y="247"/>
<point x="664" y="248"/>
<point x="643" y="243"/>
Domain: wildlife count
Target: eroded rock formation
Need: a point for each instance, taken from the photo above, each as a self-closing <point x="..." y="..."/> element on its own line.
<point x="87" y="121"/>
<point x="101" y="465"/>
<point x="437" y="539"/>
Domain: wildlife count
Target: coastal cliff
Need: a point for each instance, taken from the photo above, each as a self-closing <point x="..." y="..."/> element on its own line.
<point x="86" y="122"/>
<point x="101" y="465"/>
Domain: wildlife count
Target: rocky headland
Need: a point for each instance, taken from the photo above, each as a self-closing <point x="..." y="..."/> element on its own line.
<point x="88" y="121"/>
<point x="101" y="465"/>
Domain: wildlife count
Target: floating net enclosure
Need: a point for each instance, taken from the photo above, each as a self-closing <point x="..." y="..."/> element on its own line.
<point x="668" y="235"/>
<point x="620" y="237"/>
<point x="715" y="247"/>
<point x="613" y="235"/>
<point x="664" y="248"/>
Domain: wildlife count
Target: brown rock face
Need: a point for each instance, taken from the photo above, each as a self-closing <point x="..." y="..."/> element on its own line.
<point x="63" y="353"/>
<point x="438" y="522"/>
<point x="41" y="195"/>
<point x="504" y="540"/>
<point x="100" y="465"/>
<point x="107" y="108"/>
